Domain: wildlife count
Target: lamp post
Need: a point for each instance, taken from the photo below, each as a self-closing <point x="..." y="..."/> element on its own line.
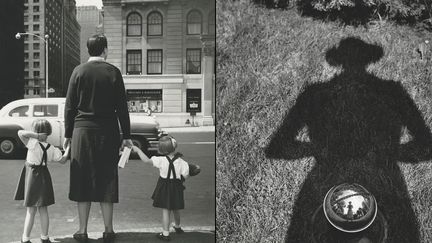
<point x="45" y="40"/>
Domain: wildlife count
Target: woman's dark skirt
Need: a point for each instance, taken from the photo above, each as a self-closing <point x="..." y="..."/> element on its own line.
<point x="168" y="194"/>
<point x="35" y="187"/>
<point x="93" y="169"/>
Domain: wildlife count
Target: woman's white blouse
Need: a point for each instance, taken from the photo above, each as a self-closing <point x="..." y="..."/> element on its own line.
<point x="35" y="152"/>
<point x="181" y="167"/>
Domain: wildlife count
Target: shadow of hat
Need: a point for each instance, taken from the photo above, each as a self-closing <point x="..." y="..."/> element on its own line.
<point x="353" y="51"/>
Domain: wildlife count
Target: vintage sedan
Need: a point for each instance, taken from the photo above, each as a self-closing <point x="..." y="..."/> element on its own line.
<point x="20" y="114"/>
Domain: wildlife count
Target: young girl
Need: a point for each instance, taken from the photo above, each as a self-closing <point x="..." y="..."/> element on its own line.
<point x="35" y="185"/>
<point x="168" y="193"/>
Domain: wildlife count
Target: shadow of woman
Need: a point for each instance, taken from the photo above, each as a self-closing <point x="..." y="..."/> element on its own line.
<point x="354" y="123"/>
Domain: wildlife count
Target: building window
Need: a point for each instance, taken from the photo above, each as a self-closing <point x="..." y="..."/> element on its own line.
<point x="133" y="25"/>
<point x="36" y="73"/>
<point x="212" y="23"/>
<point x="35" y="8"/>
<point x="35" y="17"/>
<point x="144" y="100"/>
<point x="36" y="27"/>
<point x="35" y="1"/>
<point x="193" y="61"/>
<point x="36" y="64"/>
<point x="27" y="91"/>
<point x="25" y="18"/>
<point x="26" y="75"/>
<point x="193" y="100"/>
<point x="194" y="20"/>
<point x="35" y="38"/>
<point x="154" y="24"/>
<point x="25" y="28"/>
<point x="26" y="46"/>
<point x="36" y="92"/>
<point x="154" y="61"/>
<point x="133" y="62"/>
<point x="36" y="46"/>
<point x="26" y="65"/>
<point x="36" y="55"/>
<point x="26" y="55"/>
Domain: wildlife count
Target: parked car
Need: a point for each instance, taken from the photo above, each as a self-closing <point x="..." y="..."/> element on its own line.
<point x="20" y="114"/>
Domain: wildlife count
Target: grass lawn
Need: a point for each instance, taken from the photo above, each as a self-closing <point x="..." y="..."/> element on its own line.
<point x="299" y="110"/>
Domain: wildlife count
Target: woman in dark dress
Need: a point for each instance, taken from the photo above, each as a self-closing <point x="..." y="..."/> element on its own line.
<point x="95" y="104"/>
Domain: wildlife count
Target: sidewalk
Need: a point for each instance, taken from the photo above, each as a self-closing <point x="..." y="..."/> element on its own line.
<point x="189" y="129"/>
<point x="202" y="234"/>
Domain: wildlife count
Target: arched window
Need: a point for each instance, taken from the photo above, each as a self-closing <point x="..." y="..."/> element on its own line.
<point x="194" y="20"/>
<point x="133" y="24"/>
<point x="154" y="23"/>
<point x="212" y="23"/>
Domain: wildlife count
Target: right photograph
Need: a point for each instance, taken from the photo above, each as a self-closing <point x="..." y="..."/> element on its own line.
<point x="323" y="121"/>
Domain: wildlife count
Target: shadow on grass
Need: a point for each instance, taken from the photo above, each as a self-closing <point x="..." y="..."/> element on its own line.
<point x="273" y="3"/>
<point x="354" y="124"/>
<point x="130" y="237"/>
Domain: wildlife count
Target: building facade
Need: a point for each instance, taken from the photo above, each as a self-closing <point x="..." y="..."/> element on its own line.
<point x="90" y="19"/>
<point x="165" y="50"/>
<point x="71" y="44"/>
<point x="12" y="51"/>
<point x="57" y="19"/>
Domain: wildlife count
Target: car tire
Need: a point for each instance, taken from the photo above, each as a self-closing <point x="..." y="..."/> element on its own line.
<point x="8" y="148"/>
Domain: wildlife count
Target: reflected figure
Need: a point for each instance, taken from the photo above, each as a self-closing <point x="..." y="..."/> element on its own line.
<point x="354" y="123"/>
<point x="350" y="213"/>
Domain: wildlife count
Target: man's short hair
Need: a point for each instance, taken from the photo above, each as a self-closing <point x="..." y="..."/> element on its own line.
<point x="96" y="45"/>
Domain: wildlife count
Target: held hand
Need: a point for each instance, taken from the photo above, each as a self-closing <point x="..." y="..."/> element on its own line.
<point x="67" y="152"/>
<point x="66" y="143"/>
<point x="127" y="143"/>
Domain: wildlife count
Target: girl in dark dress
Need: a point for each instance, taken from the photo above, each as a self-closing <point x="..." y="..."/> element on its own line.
<point x="168" y="193"/>
<point x="35" y="185"/>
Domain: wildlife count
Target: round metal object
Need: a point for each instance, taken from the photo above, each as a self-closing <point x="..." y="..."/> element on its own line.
<point x="350" y="207"/>
<point x="7" y="147"/>
<point x="322" y="231"/>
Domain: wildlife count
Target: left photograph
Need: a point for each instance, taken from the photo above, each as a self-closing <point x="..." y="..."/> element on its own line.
<point x="107" y="121"/>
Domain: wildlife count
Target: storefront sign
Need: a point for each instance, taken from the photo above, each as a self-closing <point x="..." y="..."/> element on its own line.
<point x="144" y="100"/>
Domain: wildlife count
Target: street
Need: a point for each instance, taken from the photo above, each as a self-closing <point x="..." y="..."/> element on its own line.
<point x="136" y="184"/>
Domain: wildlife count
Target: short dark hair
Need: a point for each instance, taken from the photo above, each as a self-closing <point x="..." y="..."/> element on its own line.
<point x="167" y="144"/>
<point x="96" y="45"/>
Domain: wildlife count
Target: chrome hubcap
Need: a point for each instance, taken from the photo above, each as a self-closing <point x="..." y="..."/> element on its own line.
<point x="6" y="146"/>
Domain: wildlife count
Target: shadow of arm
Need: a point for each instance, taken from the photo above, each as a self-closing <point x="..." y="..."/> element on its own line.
<point x="283" y="144"/>
<point x="419" y="148"/>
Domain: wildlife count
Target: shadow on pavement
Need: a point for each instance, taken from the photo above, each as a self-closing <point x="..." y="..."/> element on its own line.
<point x="189" y="237"/>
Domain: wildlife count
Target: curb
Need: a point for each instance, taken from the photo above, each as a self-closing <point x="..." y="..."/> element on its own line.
<point x="189" y="129"/>
<point x="96" y="235"/>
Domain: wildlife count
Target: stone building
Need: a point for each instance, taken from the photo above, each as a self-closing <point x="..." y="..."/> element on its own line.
<point x="57" y="19"/>
<point x="165" y="50"/>
<point x="90" y="19"/>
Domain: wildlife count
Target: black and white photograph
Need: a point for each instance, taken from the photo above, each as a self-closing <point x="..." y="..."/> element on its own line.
<point x="324" y="116"/>
<point x="107" y="121"/>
